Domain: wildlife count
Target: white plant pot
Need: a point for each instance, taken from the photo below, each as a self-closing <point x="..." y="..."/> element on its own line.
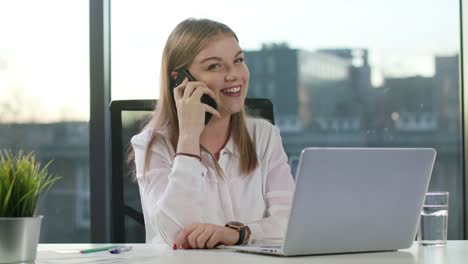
<point x="19" y="237"/>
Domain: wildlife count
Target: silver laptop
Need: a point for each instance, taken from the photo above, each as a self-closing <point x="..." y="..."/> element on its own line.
<point x="355" y="200"/>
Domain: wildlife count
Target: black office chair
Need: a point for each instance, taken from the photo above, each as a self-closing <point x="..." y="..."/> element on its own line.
<point x="127" y="118"/>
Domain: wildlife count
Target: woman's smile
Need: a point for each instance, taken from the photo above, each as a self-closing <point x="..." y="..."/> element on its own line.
<point x="232" y="91"/>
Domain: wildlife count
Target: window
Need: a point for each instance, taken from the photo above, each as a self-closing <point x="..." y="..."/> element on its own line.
<point x="44" y="107"/>
<point x="345" y="73"/>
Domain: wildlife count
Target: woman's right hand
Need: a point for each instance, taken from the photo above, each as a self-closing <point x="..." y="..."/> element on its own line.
<point x="191" y="111"/>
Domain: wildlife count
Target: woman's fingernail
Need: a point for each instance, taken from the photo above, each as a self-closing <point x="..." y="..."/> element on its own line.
<point x="174" y="247"/>
<point x="186" y="246"/>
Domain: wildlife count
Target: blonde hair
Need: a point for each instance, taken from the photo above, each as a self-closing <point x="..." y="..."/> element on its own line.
<point x="184" y="43"/>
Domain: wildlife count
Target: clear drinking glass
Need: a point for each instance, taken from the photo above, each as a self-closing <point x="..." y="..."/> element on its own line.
<point x="434" y="218"/>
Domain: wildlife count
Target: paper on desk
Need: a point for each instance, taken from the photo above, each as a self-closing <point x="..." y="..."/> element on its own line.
<point x="139" y="254"/>
<point x="67" y="251"/>
<point x="56" y="256"/>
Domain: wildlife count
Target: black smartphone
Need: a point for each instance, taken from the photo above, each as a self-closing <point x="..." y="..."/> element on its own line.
<point x="205" y="99"/>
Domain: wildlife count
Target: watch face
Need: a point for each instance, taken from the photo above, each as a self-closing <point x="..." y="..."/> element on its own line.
<point x="235" y="224"/>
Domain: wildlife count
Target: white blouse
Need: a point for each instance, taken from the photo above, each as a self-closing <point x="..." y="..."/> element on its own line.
<point x="177" y="192"/>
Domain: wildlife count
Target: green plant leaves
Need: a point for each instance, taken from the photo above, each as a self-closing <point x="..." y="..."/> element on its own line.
<point x="22" y="180"/>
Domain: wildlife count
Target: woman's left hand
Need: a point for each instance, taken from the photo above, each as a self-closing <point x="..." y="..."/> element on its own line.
<point x="205" y="236"/>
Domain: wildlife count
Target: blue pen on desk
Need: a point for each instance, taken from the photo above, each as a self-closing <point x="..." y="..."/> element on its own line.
<point x="120" y="250"/>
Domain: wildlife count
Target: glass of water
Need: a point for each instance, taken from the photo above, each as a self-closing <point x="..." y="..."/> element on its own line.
<point x="434" y="218"/>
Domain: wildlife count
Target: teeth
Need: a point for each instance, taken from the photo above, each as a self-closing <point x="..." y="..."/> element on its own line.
<point x="232" y="90"/>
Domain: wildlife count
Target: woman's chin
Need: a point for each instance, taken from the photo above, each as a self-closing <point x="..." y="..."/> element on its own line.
<point x="228" y="111"/>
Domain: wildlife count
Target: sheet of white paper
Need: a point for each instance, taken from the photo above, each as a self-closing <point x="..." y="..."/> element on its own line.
<point x="139" y="254"/>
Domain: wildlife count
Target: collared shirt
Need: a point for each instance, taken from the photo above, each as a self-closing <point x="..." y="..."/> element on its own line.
<point x="177" y="192"/>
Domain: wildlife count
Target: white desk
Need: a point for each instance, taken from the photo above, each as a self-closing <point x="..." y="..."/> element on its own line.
<point x="455" y="252"/>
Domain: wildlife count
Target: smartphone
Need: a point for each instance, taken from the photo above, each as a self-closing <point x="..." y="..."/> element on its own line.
<point x="205" y="99"/>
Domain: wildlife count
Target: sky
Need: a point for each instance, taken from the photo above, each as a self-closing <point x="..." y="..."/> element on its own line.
<point x="44" y="46"/>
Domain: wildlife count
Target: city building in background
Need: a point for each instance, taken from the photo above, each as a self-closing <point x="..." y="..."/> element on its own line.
<point x="325" y="90"/>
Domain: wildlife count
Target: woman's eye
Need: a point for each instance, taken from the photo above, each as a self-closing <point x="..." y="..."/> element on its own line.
<point x="239" y="60"/>
<point x="214" y="66"/>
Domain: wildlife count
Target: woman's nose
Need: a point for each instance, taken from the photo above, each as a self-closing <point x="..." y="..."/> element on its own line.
<point x="231" y="74"/>
<point x="230" y="77"/>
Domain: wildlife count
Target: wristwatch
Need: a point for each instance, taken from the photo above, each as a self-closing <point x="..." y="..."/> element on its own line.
<point x="244" y="232"/>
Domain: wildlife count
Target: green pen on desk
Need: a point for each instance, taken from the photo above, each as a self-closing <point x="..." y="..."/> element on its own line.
<point x="91" y="250"/>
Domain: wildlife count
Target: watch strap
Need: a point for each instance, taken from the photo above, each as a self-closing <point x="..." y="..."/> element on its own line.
<point x="241" y="236"/>
<point x="240" y="229"/>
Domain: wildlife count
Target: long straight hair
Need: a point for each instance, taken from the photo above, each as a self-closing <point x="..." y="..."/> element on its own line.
<point x="184" y="43"/>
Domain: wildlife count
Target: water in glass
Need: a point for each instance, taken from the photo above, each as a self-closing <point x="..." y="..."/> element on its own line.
<point x="433" y="225"/>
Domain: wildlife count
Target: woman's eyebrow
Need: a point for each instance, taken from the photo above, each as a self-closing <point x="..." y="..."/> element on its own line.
<point x="218" y="58"/>
<point x="210" y="58"/>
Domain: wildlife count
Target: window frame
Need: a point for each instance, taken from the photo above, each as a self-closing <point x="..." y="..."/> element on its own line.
<point x="99" y="123"/>
<point x="464" y="109"/>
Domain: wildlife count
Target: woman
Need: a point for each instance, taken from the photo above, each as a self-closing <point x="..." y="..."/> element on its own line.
<point x="224" y="183"/>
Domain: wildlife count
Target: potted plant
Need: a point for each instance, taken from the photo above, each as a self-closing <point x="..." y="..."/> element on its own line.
<point x="22" y="180"/>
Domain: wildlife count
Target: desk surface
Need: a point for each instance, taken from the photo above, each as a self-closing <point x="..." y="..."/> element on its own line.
<point x="455" y="252"/>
